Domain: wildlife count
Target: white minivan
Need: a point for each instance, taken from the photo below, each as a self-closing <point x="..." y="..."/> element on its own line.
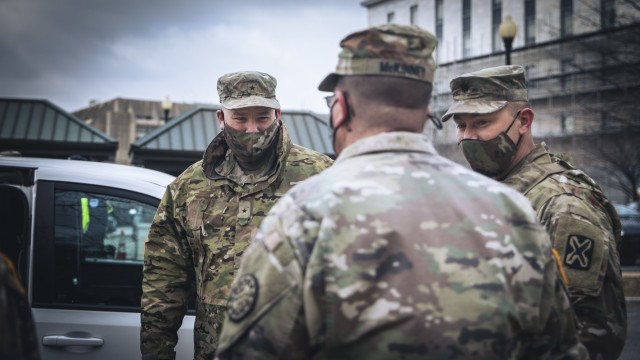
<point x="75" y="231"/>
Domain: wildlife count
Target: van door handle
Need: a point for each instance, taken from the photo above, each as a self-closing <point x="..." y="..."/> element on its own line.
<point x="61" y="340"/>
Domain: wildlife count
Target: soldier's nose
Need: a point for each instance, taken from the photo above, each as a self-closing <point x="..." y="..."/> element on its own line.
<point x="252" y="128"/>
<point x="469" y="134"/>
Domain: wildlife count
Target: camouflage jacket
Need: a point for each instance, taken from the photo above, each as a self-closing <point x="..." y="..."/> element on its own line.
<point x="202" y="227"/>
<point x="398" y="253"/>
<point x="585" y="230"/>
<point x="18" y="338"/>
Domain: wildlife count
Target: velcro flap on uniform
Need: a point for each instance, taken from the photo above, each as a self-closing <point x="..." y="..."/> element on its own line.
<point x="195" y="211"/>
<point x="244" y="209"/>
<point x="584" y="250"/>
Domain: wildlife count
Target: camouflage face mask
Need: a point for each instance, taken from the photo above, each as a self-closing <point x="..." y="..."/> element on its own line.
<point x="251" y="147"/>
<point x="491" y="157"/>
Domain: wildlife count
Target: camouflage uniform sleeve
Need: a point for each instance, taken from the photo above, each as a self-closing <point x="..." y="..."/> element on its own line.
<point x="166" y="282"/>
<point x="265" y="317"/>
<point x="307" y="161"/>
<point x="584" y="240"/>
<point x="560" y="340"/>
<point x="548" y="325"/>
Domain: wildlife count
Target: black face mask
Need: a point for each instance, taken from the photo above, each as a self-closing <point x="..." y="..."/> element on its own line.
<point x="491" y="157"/>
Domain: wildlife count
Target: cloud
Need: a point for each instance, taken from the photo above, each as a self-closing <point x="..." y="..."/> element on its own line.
<point x="71" y="51"/>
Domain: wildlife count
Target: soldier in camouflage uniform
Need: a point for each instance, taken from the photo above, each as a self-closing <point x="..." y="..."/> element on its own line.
<point x="209" y="214"/>
<point x="494" y="121"/>
<point x="396" y="252"/>
<point x="17" y="331"/>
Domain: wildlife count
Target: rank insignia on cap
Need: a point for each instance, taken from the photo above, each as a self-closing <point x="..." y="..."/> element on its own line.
<point x="244" y="294"/>
<point x="578" y="252"/>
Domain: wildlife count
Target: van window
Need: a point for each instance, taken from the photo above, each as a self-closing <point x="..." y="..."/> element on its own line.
<point x="98" y="248"/>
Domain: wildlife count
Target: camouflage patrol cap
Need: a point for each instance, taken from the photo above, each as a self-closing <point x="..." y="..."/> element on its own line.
<point x="247" y="88"/>
<point x="487" y="90"/>
<point x="387" y="50"/>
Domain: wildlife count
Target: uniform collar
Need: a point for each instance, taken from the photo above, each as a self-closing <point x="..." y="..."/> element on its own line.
<point x="540" y="155"/>
<point x="522" y="177"/>
<point x="388" y="142"/>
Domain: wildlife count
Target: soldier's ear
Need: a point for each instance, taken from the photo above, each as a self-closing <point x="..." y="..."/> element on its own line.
<point x="526" y="119"/>
<point x="220" y="116"/>
<point x="339" y="110"/>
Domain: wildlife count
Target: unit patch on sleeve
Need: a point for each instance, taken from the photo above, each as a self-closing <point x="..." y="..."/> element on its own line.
<point x="244" y="294"/>
<point x="579" y="252"/>
<point x="584" y="250"/>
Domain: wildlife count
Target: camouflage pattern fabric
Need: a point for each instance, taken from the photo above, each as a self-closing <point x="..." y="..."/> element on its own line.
<point x="486" y="91"/>
<point x="387" y="50"/>
<point x="490" y="157"/>
<point x="201" y="229"/>
<point x="398" y="253"/>
<point x="17" y="331"/>
<point x="248" y="88"/>
<point x="250" y="147"/>
<point x="585" y="230"/>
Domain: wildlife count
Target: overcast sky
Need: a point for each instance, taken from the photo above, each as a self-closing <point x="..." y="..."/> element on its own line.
<point x="73" y="51"/>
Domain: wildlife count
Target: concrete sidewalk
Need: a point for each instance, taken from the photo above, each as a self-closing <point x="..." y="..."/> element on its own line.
<point x="632" y="346"/>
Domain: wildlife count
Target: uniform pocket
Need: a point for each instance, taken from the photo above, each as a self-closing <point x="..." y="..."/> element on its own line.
<point x="217" y="237"/>
<point x="208" y="239"/>
<point x="195" y="211"/>
<point x="204" y="215"/>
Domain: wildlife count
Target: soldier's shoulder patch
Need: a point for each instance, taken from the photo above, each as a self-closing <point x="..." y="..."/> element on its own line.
<point x="579" y="252"/>
<point x="242" y="299"/>
<point x="584" y="250"/>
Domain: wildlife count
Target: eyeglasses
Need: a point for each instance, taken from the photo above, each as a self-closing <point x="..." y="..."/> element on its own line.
<point x="331" y="99"/>
<point x="436" y="121"/>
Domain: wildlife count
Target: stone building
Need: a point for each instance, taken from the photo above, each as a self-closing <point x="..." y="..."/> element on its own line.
<point x="581" y="59"/>
<point x="128" y="120"/>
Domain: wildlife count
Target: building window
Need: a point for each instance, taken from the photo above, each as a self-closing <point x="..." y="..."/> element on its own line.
<point x="531" y="74"/>
<point x="565" y="73"/>
<point x="413" y="14"/>
<point x="143" y="130"/>
<point x="529" y="22"/>
<point x="607" y="14"/>
<point x="496" y="19"/>
<point x="390" y="17"/>
<point x="567" y="124"/>
<point x="466" y="28"/>
<point x="566" y="18"/>
<point x="439" y="24"/>
<point x="98" y="248"/>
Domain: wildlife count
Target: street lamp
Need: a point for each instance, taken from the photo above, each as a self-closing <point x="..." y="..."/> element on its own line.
<point x="507" y="31"/>
<point x="166" y="107"/>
